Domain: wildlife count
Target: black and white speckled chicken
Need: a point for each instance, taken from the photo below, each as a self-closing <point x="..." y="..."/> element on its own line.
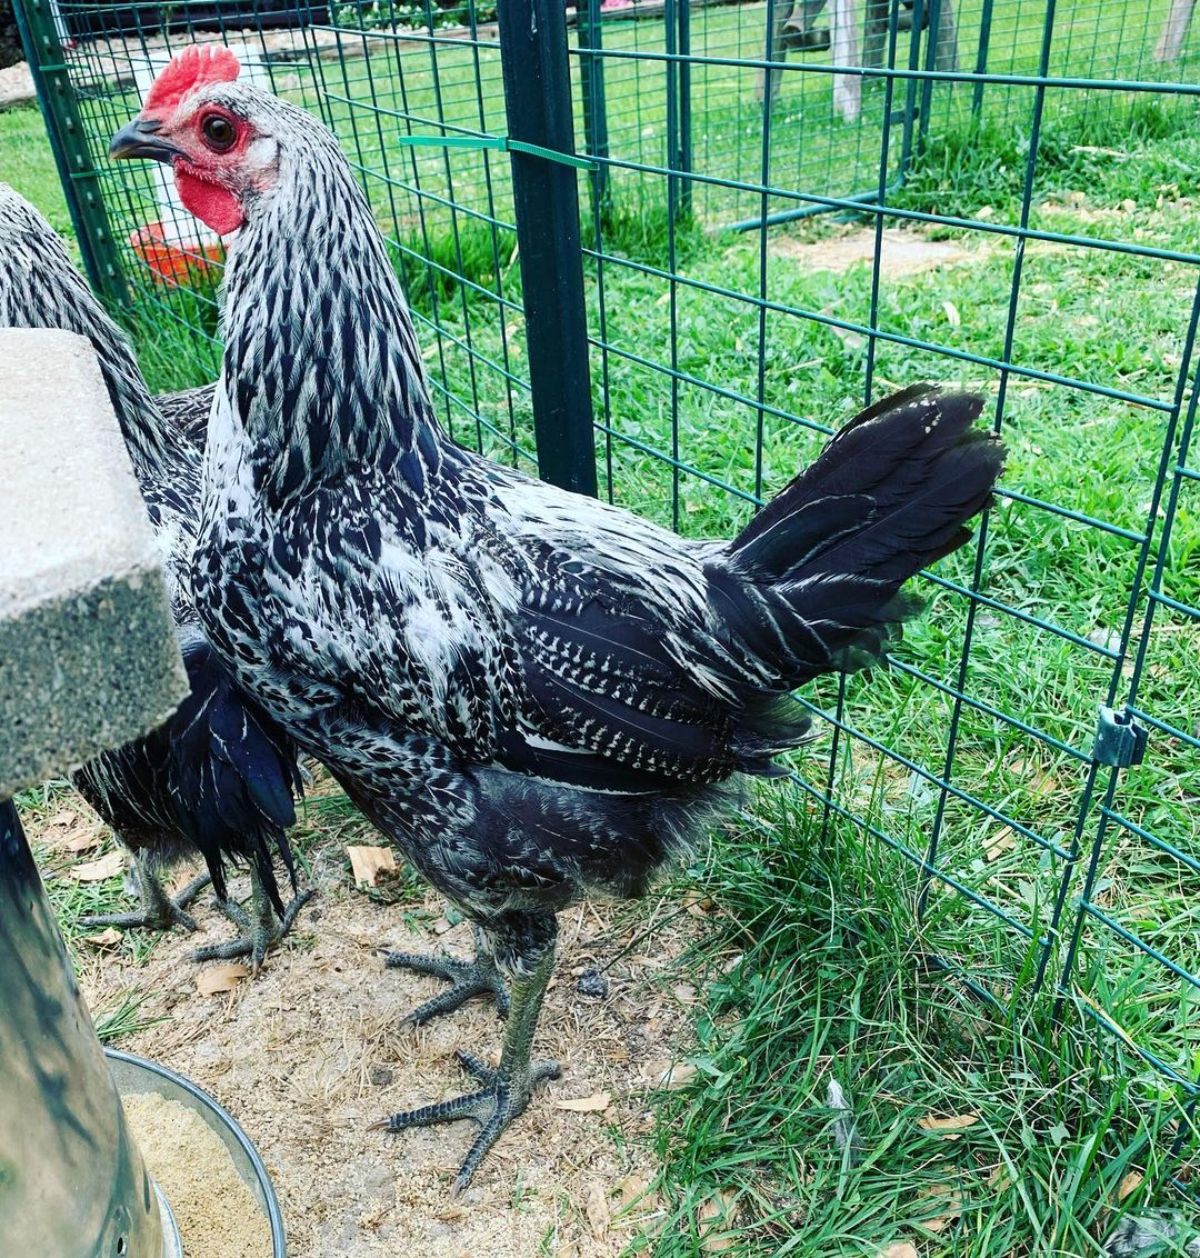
<point x="186" y="413"/>
<point x="219" y="778"/>
<point x="537" y="696"/>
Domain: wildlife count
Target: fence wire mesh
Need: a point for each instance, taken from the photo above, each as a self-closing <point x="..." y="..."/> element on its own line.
<point x="791" y="209"/>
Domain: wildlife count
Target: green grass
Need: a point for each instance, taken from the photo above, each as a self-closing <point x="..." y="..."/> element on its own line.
<point x="122" y="1019"/>
<point x="27" y="164"/>
<point x="814" y="974"/>
<point x="834" y="977"/>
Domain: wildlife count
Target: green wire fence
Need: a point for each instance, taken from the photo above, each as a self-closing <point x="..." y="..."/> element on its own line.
<point x="618" y="231"/>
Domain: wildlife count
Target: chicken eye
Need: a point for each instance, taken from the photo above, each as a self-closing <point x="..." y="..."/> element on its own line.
<point x="218" y="132"/>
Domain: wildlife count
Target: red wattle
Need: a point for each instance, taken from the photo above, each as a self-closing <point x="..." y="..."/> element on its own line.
<point x="210" y="203"/>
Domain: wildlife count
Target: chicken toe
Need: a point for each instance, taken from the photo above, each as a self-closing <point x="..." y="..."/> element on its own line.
<point x="262" y="928"/>
<point x="477" y="977"/>
<point x="506" y="1088"/>
<point x="159" y="911"/>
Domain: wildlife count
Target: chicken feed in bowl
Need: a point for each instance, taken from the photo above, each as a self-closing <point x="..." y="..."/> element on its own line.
<point x="215" y="1210"/>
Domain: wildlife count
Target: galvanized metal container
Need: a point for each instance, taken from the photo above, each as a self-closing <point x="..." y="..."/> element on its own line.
<point x="72" y="1183"/>
<point x="137" y="1076"/>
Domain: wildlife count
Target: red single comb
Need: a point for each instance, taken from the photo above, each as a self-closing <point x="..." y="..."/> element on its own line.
<point x="195" y="66"/>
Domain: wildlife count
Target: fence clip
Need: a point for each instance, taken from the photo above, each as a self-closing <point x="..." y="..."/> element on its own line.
<point x="498" y="143"/>
<point x="1120" y="740"/>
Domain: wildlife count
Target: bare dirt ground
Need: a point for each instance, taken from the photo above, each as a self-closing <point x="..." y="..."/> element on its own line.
<point x="903" y="252"/>
<point x="16" y="86"/>
<point x="310" y="1053"/>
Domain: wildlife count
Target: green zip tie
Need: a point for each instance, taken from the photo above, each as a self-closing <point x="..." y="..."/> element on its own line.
<point x="499" y="143"/>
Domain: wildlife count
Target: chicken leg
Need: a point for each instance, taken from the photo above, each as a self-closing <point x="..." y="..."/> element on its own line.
<point x="261" y="928"/>
<point x="159" y="911"/>
<point x="466" y="979"/>
<point x="506" y="1088"/>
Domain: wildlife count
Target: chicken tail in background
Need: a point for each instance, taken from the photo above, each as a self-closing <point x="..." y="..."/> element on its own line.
<point x="220" y="777"/>
<point x="813" y="583"/>
<point x="239" y="780"/>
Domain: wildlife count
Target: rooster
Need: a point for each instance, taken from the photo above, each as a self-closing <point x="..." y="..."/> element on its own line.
<point x="535" y="695"/>
<point x="220" y="777"/>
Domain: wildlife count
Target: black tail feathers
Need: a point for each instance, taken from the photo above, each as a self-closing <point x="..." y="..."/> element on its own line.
<point x="890" y="493"/>
<point x="235" y="777"/>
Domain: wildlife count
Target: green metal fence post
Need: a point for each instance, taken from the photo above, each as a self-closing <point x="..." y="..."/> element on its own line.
<point x="677" y="45"/>
<point x="911" y="110"/>
<point x="933" y="37"/>
<point x="595" y="106"/>
<point x="685" y="104"/>
<point x="537" y="99"/>
<point x="671" y="71"/>
<point x="981" y="60"/>
<point x="72" y="152"/>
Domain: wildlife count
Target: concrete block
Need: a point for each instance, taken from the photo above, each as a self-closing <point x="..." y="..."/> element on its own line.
<point x="88" y="656"/>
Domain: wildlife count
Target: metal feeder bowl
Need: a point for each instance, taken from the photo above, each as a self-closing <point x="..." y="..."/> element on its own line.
<point x="136" y="1076"/>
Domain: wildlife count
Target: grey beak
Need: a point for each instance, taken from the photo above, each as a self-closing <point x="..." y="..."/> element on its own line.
<point x="137" y="139"/>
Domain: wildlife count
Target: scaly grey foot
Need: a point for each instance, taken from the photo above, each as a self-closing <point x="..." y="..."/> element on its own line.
<point x="260" y="932"/>
<point x="159" y="911"/>
<point x="501" y="1099"/>
<point x="234" y="911"/>
<point x="466" y="979"/>
<point x="149" y="919"/>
